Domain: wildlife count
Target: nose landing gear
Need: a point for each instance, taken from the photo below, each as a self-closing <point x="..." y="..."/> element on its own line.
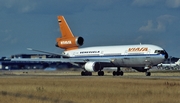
<point x="148" y="73"/>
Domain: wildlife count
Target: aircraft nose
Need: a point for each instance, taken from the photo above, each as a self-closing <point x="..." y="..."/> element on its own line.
<point x="166" y="54"/>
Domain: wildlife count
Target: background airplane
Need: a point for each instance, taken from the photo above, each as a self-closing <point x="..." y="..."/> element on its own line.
<point x="170" y="64"/>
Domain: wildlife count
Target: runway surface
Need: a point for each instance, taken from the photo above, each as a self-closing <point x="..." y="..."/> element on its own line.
<point x="76" y="74"/>
<point x="40" y="86"/>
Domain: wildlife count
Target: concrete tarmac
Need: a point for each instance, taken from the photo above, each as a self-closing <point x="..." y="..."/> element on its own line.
<point x="76" y="74"/>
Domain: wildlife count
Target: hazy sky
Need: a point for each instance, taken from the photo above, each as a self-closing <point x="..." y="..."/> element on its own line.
<point x="33" y="23"/>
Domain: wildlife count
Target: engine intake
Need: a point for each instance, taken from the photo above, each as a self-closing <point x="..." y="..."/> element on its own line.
<point x="79" y="41"/>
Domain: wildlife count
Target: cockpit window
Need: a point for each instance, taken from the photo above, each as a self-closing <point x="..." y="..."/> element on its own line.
<point x="160" y="51"/>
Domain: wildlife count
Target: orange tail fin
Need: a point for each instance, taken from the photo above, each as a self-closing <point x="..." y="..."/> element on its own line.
<point x="65" y="30"/>
<point x="67" y="41"/>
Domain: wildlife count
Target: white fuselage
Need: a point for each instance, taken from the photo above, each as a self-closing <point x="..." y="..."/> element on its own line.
<point x="124" y="55"/>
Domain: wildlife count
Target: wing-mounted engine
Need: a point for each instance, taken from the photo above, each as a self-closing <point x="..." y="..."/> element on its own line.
<point x="92" y="66"/>
<point x="69" y="43"/>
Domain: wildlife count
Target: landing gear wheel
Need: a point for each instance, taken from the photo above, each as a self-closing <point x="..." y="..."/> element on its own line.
<point x="121" y="73"/>
<point x="101" y="73"/>
<point x="82" y="73"/>
<point x="148" y="73"/>
<point x="117" y="73"/>
<point x="114" y="73"/>
<point x="89" y="73"/>
<point x="85" y="73"/>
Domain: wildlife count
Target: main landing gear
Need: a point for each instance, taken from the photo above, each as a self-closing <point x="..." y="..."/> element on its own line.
<point x="148" y="73"/>
<point x="118" y="72"/>
<point x="101" y="73"/>
<point x="86" y="73"/>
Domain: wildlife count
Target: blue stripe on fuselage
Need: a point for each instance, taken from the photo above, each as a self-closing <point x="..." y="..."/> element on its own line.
<point x="120" y="56"/>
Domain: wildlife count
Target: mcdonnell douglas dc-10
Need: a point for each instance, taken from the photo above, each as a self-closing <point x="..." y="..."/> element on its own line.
<point x="93" y="59"/>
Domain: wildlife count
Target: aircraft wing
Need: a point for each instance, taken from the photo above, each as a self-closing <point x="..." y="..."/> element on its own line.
<point x="71" y="60"/>
<point x="65" y="56"/>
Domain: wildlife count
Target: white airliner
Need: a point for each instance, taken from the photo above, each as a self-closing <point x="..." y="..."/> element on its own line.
<point x="93" y="59"/>
<point x="173" y="66"/>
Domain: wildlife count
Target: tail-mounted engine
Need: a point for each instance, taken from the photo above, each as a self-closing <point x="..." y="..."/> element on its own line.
<point x="69" y="43"/>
